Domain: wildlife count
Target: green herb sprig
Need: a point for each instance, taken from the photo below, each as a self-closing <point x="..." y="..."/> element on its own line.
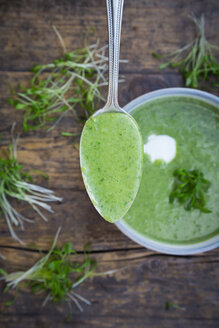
<point x="189" y="189"/>
<point x="56" y="275"/>
<point x="58" y="87"/>
<point x="16" y="184"/>
<point x="195" y="60"/>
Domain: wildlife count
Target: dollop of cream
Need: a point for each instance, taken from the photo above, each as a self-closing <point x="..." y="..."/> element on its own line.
<point x="161" y="147"/>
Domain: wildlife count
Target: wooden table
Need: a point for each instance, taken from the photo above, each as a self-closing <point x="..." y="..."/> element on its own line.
<point x="135" y="296"/>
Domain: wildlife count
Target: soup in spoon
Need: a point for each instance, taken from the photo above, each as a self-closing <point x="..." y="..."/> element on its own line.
<point x="111" y="155"/>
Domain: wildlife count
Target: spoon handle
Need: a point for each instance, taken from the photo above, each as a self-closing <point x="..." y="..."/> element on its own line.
<point x="114" y="17"/>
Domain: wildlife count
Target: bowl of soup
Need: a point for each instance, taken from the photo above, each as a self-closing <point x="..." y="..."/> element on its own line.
<point x="179" y="127"/>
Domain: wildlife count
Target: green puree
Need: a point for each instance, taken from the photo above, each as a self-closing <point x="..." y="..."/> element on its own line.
<point x="194" y="126"/>
<point x="111" y="162"/>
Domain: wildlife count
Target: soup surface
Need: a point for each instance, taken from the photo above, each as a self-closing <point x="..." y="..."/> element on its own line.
<point x="193" y="124"/>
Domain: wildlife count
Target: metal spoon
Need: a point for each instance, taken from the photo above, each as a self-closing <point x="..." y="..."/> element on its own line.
<point x="114" y="17"/>
<point x="112" y="175"/>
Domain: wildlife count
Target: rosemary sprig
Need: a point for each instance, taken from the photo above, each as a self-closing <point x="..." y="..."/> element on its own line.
<point x="58" y="87"/>
<point x="189" y="189"/>
<point x="16" y="184"/>
<point x="195" y="60"/>
<point x="56" y="275"/>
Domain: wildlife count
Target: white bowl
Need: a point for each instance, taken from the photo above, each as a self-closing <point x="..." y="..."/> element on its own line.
<point x="158" y="246"/>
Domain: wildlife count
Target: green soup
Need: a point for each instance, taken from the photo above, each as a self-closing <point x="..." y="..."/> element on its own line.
<point x="111" y="155"/>
<point x="194" y="126"/>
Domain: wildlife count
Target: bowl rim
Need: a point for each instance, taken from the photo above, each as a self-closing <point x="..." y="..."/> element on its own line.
<point x="212" y="99"/>
<point x="159" y="246"/>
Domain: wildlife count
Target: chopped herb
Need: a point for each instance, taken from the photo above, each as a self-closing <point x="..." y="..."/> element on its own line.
<point x="56" y="275"/>
<point x="75" y="145"/>
<point x="11" y="302"/>
<point x="41" y="173"/>
<point x="170" y="305"/>
<point x="195" y="60"/>
<point x="59" y="87"/>
<point x="15" y="183"/>
<point x="2" y="272"/>
<point x="68" y="134"/>
<point x="189" y="189"/>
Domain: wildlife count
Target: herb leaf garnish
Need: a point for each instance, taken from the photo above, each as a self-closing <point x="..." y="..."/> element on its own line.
<point x="189" y="189"/>
<point x="195" y="60"/>
<point x="56" y="275"/>
<point x="70" y="82"/>
<point x="16" y="184"/>
<point x="52" y="274"/>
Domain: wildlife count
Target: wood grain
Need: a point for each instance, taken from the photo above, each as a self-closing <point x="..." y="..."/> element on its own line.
<point x="148" y="26"/>
<point x="134" y="297"/>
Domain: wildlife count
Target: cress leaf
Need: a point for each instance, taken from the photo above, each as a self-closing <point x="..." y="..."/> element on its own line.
<point x="189" y="189"/>
<point x="195" y="60"/>
<point x="17" y="184"/>
<point x="67" y="85"/>
<point x="56" y="274"/>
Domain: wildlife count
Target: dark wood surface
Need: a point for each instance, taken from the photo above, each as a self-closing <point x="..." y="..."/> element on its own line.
<point x="136" y="295"/>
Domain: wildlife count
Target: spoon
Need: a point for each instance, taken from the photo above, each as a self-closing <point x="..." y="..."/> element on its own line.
<point x="111" y="147"/>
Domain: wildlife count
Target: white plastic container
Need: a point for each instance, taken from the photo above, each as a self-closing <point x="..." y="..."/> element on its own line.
<point x="130" y="232"/>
